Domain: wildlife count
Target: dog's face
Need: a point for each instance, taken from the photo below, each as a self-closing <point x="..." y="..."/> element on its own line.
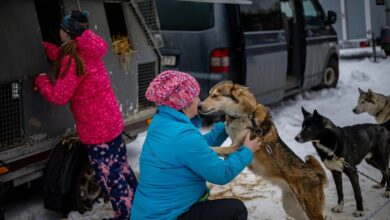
<point x="232" y="99"/>
<point x="368" y="102"/>
<point x="313" y="126"/>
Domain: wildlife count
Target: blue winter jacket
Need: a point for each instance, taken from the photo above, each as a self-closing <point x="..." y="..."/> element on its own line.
<point x="175" y="163"/>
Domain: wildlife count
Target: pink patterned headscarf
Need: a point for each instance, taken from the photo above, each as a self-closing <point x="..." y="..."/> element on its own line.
<point x="174" y="89"/>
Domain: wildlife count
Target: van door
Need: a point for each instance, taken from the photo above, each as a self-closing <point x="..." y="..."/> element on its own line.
<point x="318" y="36"/>
<point x="293" y="22"/>
<point x="265" y="54"/>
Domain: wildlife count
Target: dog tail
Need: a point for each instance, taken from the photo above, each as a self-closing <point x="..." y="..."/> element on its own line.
<point x="316" y="166"/>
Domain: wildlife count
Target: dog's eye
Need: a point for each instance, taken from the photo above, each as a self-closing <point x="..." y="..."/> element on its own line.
<point x="214" y="96"/>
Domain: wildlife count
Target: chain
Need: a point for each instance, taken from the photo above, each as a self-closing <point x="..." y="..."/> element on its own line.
<point x="269" y="152"/>
<point x="347" y="165"/>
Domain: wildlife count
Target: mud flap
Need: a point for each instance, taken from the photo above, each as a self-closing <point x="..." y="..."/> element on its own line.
<point x="59" y="173"/>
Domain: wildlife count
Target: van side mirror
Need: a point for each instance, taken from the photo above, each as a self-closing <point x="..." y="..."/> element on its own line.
<point x="331" y="18"/>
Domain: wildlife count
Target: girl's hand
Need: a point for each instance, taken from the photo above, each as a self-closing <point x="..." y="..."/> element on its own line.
<point x="35" y="88"/>
<point x="253" y="145"/>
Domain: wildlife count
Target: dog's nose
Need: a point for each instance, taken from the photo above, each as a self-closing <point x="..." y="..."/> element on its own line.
<point x="354" y="110"/>
<point x="296" y="138"/>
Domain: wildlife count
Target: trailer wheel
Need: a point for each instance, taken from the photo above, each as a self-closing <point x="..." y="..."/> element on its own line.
<point x="331" y="74"/>
<point x="85" y="188"/>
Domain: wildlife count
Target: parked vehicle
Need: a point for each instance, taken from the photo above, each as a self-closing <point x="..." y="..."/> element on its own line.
<point x="37" y="137"/>
<point x="359" y="20"/>
<point x="276" y="47"/>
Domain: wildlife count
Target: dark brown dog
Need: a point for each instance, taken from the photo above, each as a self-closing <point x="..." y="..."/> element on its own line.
<point x="301" y="181"/>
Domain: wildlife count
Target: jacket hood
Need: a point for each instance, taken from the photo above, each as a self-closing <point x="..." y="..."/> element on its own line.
<point x="91" y="45"/>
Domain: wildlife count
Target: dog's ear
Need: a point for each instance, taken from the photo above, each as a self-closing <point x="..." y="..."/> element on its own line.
<point x="218" y="84"/>
<point x="369" y="92"/>
<point x="316" y="114"/>
<point x="305" y="113"/>
<point x="240" y="94"/>
<point x="361" y="92"/>
<point x="317" y="117"/>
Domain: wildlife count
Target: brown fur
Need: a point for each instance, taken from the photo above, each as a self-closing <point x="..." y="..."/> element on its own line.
<point x="279" y="164"/>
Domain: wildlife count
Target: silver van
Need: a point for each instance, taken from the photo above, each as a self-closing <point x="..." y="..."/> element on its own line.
<point x="276" y="47"/>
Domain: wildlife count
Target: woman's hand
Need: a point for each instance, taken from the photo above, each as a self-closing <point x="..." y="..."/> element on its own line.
<point x="253" y="145"/>
<point x="35" y="88"/>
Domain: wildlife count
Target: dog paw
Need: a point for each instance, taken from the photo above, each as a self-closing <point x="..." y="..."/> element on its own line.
<point x="358" y="213"/>
<point x="387" y="193"/>
<point x="328" y="217"/>
<point x="338" y="208"/>
<point x="378" y="186"/>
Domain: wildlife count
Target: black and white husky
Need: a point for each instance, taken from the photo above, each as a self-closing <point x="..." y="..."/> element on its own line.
<point x="342" y="148"/>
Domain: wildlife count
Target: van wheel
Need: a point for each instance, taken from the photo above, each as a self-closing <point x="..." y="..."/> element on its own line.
<point x="331" y="74"/>
<point x="85" y="188"/>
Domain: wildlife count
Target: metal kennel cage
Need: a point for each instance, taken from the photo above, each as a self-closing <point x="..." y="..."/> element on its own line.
<point x="11" y="134"/>
<point x="148" y="10"/>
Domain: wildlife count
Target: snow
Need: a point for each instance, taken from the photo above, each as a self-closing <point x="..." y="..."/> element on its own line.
<point x="260" y="196"/>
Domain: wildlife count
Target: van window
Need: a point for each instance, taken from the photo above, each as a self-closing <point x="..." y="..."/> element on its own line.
<point x="314" y="16"/>
<point x="286" y="8"/>
<point x="261" y="15"/>
<point x="185" y="16"/>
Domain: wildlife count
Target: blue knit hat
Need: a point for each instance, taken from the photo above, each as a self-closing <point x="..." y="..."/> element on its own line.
<point x="75" y="23"/>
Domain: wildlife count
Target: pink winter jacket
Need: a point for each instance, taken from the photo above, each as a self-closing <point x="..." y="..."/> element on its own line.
<point x="92" y="99"/>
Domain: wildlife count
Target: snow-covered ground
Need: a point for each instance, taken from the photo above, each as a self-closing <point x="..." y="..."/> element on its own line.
<point x="261" y="197"/>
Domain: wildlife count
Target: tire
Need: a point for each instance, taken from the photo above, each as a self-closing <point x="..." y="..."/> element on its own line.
<point x="331" y="74"/>
<point x="85" y="188"/>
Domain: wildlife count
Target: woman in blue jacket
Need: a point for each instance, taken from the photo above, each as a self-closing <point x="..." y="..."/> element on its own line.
<point x="176" y="159"/>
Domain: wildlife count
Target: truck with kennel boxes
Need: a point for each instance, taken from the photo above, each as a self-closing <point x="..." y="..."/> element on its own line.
<point x="37" y="137"/>
<point x="276" y="47"/>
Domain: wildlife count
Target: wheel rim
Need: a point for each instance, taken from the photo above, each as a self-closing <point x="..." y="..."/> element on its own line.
<point x="90" y="190"/>
<point x="329" y="76"/>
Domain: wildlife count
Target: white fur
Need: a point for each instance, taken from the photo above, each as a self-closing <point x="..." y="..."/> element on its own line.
<point x="358" y="213"/>
<point x="368" y="156"/>
<point x="335" y="164"/>
<point x="387" y="194"/>
<point x="339" y="207"/>
<point x="317" y="144"/>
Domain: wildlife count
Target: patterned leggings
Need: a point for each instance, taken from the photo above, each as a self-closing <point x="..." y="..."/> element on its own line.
<point x="114" y="174"/>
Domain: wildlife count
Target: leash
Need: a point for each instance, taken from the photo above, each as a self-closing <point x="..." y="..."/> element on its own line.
<point x="347" y="165"/>
<point x="268" y="150"/>
<point x="378" y="210"/>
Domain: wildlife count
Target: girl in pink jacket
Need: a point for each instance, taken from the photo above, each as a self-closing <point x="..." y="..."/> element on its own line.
<point x="82" y="80"/>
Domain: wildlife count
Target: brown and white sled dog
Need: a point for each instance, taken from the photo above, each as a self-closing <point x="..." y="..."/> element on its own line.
<point x="301" y="181"/>
<point x="375" y="104"/>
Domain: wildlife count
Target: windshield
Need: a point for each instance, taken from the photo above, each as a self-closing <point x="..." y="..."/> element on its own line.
<point x="185" y="16"/>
